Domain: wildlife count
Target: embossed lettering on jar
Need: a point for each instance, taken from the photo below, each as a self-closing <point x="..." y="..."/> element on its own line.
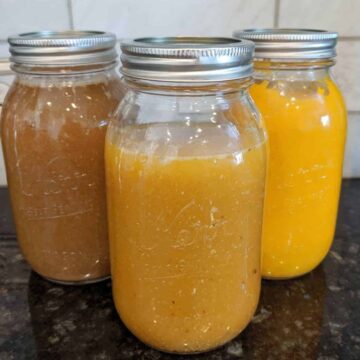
<point x="53" y="129"/>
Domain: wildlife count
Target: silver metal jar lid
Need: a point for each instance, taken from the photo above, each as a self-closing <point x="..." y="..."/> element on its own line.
<point x="291" y="44"/>
<point x="54" y="48"/>
<point x="187" y="59"/>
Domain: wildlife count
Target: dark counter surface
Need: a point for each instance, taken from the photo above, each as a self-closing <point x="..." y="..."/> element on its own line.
<point x="313" y="317"/>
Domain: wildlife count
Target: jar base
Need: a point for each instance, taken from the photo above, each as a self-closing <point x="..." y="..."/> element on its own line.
<point x="186" y="353"/>
<point x="76" y="283"/>
<point x="284" y="278"/>
<point x="189" y="353"/>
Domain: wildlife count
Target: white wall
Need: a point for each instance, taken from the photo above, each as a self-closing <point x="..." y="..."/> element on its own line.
<point x="132" y="18"/>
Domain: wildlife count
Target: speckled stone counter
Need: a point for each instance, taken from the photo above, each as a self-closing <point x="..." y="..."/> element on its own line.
<point x="314" y="317"/>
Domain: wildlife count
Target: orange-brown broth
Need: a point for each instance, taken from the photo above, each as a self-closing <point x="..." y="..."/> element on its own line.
<point x="53" y="139"/>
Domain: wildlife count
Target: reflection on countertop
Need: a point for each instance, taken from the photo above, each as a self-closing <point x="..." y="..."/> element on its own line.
<point x="313" y="317"/>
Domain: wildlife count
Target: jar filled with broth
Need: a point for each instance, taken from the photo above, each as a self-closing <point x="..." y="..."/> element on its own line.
<point x="54" y="121"/>
<point x="305" y="116"/>
<point x="185" y="164"/>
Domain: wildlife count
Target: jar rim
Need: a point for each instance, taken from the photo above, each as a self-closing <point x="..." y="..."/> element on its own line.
<point x="63" y="48"/>
<point x="291" y="43"/>
<point x="187" y="59"/>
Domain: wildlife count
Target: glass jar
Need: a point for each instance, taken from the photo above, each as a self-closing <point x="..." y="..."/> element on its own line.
<point x="185" y="169"/>
<point x="53" y="131"/>
<point x="305" y="117"/>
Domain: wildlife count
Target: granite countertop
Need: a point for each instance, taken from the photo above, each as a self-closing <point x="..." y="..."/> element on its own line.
<point x="313" y="317"/>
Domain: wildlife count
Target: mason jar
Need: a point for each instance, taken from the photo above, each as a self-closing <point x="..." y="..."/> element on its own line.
<point x="185" y="169"/>
<point x="54" y="121"/>
<point x="305" y="117"/>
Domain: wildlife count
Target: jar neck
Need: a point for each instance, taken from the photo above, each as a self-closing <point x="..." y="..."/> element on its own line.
<point x="63" y="70"/>
<point x="188" y="88"/>
<point x="294" y="70"/>
<point x="274" y="64"/>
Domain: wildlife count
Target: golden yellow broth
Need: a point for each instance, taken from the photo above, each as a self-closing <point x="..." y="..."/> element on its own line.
<point x="306" y="124"/>
<point x="185" y="244"/>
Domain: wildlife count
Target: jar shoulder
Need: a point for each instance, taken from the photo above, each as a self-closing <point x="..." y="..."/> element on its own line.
<point x="301" y="105"/>
<point x="193" y="124"/>
<point x="286" y="95"/>
<point x="144" y="108"/>
<point x="35" y="102"/>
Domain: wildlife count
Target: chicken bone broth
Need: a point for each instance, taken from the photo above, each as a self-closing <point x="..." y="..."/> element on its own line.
<point x="306" y="139"/>
<point x="53" y="132"/>
<point x="185" y="212"/>
<point x="305" y="116"/>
